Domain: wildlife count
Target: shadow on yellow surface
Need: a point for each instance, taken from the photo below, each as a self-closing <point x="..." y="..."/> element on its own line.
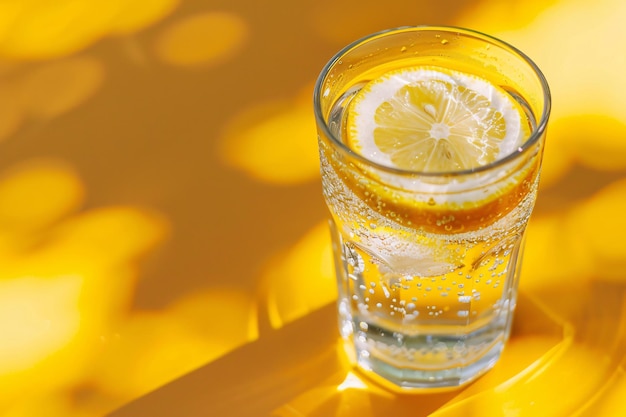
<point x="571" y="349"/>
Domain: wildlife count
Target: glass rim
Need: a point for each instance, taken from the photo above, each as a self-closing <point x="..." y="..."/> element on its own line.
<point x="534" y="137"/>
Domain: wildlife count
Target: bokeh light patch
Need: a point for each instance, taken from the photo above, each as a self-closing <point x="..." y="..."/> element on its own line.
<point x="36" y="30"/>
<point x="274" y="142"/>
<point x="212" y="312"/>
<point x="107" y="236"/>
<point x="154" y="347"/>
<point x="45" y="91"/>
<point x="301" y="280"/>
<point x="59" y="86"/>
<point x="134" y="15"/>
<point x="202" y="39"/>
<point x="596" y="141"/>
<point x="555" y="253"/>
<point x="37" y="193"/>
<point x="49" y="29"/>
<point x="38" y="316"/>
<point x="150" y="350"/>
<point x="601" y="222"/>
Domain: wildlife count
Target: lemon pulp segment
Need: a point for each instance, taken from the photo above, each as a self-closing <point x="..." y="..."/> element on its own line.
<point x="432" y="119"/>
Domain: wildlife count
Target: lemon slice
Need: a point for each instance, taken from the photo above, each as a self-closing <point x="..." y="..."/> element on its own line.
<point x="432" y="119"/>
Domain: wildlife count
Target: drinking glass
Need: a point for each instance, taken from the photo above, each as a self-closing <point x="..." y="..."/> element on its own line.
<point x="427" y="263"/>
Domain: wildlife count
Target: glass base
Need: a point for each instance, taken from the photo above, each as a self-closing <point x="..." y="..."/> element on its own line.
<point x="409" y="378"/>
<point x="426" y="361"/>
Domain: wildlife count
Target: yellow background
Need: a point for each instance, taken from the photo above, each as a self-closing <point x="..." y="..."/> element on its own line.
<point x="161" y="211"/>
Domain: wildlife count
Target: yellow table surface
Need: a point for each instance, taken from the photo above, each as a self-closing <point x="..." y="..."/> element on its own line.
<point x="163" y="245"/>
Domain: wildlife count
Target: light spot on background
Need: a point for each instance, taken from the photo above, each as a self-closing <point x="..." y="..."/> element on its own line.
<point x="595" y="141"/>
<point x="45" y="30"/>
<point x="41" y="92"/>
<point x="152" y="348"/>
<point x="60" y="86"/>
<point x="202" y="39"/>
<point x="301" y="279"/>
<point x="133" y="15"/>
<point x="35" y="29"/>
<point x="601" y="222"/>
<point x="274" y="142"/>
<point x="104" y="237"/>
<point x="555" y="253"/>
<point x="37" y="193"/>
<point x="38" y="316"/>
<point x="579" y="243"/>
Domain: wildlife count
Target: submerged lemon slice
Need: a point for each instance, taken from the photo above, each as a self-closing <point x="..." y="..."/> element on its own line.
<point x="432" y="119"/>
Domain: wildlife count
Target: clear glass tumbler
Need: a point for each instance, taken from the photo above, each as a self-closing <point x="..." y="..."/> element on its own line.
<point x="428" y="262"/>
